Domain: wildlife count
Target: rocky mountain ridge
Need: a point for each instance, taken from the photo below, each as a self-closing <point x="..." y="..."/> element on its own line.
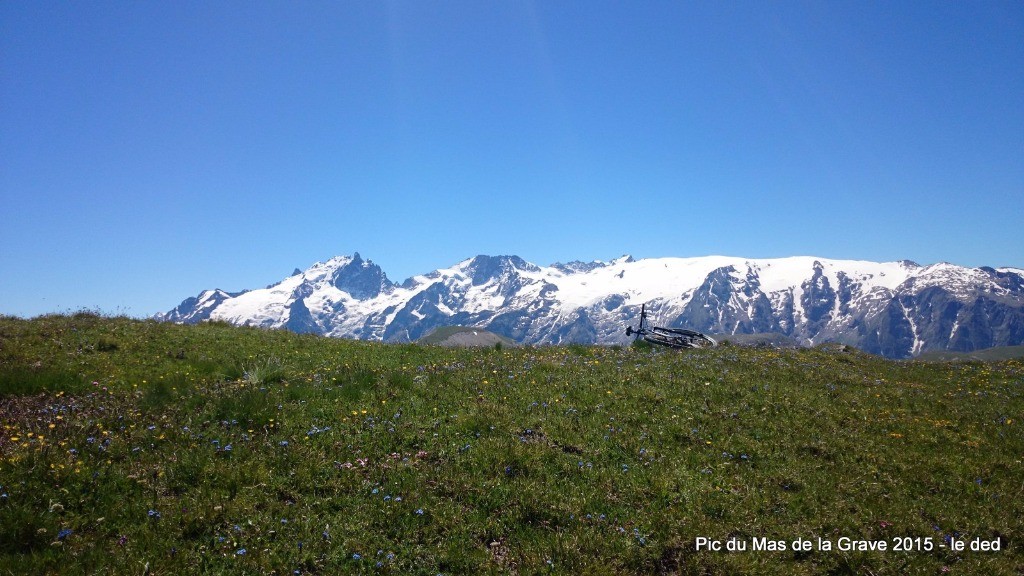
<point x="897" y="309"/>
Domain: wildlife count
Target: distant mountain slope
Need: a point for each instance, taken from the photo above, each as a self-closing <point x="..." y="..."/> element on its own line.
<point x="986" y="355"/>
<point x="463" y="336"/>
<point x="897" y="309"/>
<point x="770" y="340"/>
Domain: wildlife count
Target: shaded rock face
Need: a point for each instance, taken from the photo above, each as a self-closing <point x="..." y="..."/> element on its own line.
<point x="576" y="266"/>
<point x="300" y="320"/>
<point x="819" y="299"/>
<point x="916" y="309"/>
<point x="422" y="313"/>
<point x="488" y="268"/>
<point x="580" y="329"/>
<point x="361" y="278"/>
<point x="715" y="305"/>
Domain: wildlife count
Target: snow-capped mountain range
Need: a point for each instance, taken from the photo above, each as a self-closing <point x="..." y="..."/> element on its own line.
<point x="898" y="309"/>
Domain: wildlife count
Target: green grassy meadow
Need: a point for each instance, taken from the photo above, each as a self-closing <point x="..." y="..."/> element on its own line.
<point x="135" y="447"/>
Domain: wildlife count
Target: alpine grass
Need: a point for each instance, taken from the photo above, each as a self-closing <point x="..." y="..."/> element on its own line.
<point x="137" y="447"/>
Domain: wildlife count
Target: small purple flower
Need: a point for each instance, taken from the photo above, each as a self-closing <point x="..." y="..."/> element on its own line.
<point x="64" y="533"/>
<point x="240" y="552"/>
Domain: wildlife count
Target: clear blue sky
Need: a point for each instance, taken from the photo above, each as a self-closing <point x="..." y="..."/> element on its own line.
<point x="149" y="150"/>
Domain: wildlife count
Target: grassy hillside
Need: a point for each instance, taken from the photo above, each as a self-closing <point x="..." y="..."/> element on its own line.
<point x="133" y="447"/>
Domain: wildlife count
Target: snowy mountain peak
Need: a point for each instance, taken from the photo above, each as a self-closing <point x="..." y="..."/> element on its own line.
<point x="361" y="279"/>
<point x="894" y="308"/>
<point x="485" y="268"/>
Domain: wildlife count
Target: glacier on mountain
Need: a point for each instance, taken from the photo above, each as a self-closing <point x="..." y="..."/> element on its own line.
<point x="898" y="309"/>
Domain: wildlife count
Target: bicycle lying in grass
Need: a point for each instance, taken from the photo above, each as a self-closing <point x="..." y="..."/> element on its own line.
<point x="671" y="337"/>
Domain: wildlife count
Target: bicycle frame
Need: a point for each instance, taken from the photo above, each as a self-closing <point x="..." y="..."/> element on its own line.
<point x="670" y="337"/>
